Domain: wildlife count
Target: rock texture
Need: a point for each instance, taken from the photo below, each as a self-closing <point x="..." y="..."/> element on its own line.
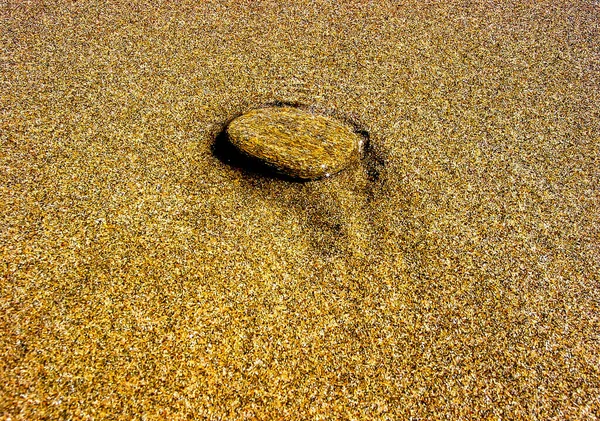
<point x="294" y="142"/>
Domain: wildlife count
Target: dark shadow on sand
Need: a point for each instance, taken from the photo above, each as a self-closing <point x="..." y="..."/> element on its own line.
<point x="227" y="153"/>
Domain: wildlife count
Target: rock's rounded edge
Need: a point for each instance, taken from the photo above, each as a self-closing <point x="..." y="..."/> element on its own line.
<point x="253" y="133"/>
<point x="350" y="120"/>
<point x="224" y="150"/>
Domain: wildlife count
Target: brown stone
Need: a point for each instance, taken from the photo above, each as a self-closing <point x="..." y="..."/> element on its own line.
<point x="295" y="142"/>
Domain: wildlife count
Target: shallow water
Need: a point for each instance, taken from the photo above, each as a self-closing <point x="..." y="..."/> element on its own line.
<point x="451" y="273"/>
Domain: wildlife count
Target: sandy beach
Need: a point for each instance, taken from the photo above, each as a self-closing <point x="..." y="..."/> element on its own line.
<point x="451" y="273"/>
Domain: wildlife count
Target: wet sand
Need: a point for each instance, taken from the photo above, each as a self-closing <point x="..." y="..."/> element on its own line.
<point x="451" y="274"/>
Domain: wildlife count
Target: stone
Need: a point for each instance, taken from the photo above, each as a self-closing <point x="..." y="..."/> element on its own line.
<point x="295" y="142"/>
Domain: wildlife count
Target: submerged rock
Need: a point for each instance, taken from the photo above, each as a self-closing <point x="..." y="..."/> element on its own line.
<point x="294" y="142"/>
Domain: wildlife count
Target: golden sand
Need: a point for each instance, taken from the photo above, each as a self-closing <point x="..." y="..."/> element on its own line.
<point x="451" y="274"/>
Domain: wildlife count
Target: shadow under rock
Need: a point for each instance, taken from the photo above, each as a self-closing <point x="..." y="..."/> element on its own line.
<point x="227" y="153"/>
<point x="326" y="221"/>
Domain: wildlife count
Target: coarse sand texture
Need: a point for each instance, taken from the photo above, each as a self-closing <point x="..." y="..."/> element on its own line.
<point x="448" y="271"/>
